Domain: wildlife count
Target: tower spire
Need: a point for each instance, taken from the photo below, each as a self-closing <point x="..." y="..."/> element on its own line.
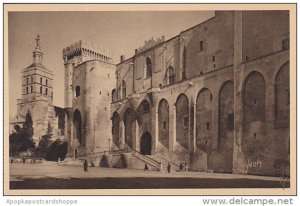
<point x="37" y="53"/>
<point x="37" y="39"/>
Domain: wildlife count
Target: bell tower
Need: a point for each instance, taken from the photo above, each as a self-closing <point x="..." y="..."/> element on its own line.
<point x="37" y="79"/>
<point x="37" y="91"/>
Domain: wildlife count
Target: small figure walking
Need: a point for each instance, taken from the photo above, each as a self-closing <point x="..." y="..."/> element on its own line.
<point x="85" y="166"/>
<point x="169" y="167"/>
<point x="146" y="167"/>
<point x="180" y="167"/>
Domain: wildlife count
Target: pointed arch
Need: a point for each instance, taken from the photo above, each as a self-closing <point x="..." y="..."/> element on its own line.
<point x="148" y="67"/>
<point x="128" y="122"/>
<point x="77" y="121"/>
<point x="146" y="144"/>
<point x="254" y="139"/>
<point x="123" y="89"/>
<point x="254" y="97"/>
<point x="115" y="128"/>
<point x="114" y="95"/>
<point x="77" y="91"/>
<point x="204" y="119"/>
<point x="226" y="126"/>
<point x="170" y="75"/>
<point x="182" y="120"/>
<point x="163" y="122"/>
<point x="282" y="96"/>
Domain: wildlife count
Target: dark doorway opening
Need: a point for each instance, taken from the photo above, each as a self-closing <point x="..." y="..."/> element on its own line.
<point x="146" y="142"/>
<point x="78" y="126"/>
<point x="75" y="154"/>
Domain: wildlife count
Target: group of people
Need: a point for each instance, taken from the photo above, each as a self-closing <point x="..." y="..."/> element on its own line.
<point x="182" y="167"/>
<point x="168" y="167"/>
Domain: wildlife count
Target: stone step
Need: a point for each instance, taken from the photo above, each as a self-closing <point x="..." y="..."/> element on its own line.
<point x="164" y="163"/>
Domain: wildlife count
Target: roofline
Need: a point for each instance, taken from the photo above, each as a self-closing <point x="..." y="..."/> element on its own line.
<point x="198" y="24"/>
<point x="169" y="39"/>
<point x="95" y="60"/>
<point x="29" y="68"/>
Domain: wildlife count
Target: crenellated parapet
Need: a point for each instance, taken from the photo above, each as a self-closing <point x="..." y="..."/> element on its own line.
<point x="150" y="43"/>
<point x="82" y="51"/>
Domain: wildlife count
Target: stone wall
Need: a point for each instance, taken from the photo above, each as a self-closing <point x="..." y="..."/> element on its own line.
<point x="255" y="113"/>
<point x="93" y="105"/>
<point x="226" y="112"/>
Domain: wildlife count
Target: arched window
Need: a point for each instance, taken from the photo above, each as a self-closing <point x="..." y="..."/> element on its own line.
<point x="77" y="91"/>
<point x="184" y="59"/>
<point x="46" y="82"/>
<point x="145" y="107"/>
<point x="170" y="75"/>
<point x="31" y="89"/>
<point x="282" y="97"/>
<point x="27" y="90"/>
<point x="113" y="95"/>
<point x="148" y="67"/>
<point x="41" y="80"/>
<point x="27" y="80"/>
<point x="41" y="90"/>
<point x="123" y="89"/>
<point x="31" y="79"/>
<point x="46" y="91"/>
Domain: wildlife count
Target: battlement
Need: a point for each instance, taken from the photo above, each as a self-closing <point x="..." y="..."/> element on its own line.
<point x="150" y="43"/>
<point x="86" y="51"/>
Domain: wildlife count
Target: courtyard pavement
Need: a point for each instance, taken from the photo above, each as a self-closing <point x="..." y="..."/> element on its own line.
<point x="67" y="176"/>
<point x="49" y="169"/>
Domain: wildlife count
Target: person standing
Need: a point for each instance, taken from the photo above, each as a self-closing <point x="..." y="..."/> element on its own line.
<point x="85" y="166"/>
<point x="180" y="167"/>
<point x="169" y="167"/>
<point x="146" y="167"/>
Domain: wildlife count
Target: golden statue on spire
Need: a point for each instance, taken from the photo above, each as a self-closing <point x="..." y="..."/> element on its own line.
<point x="37" y="39"/>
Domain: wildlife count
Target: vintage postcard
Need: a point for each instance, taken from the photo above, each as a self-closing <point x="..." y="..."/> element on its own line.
<point x="150" y="99"/>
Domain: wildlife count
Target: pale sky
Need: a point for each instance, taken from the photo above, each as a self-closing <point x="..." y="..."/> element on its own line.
<point x="121" y="32"/>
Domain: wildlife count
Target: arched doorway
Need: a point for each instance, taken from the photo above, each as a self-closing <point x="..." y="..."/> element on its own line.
<point x="204" y="127"/>
<point x="163" y="123"/>
<point x="115" y="128"/>
<point x="128" y="121"/>
<point x="182" y="120"/>
<point x="226" y="127"/>
<point x="146" y="144"/>
<point x="282" y="97"/>
<point x="78" y="126"/>
<point x="255" y="144"/>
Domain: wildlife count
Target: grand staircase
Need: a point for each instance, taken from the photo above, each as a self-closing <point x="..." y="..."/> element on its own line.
<point x="128" y="158"/>
<point x="165" y="161"/>
<point x="139" y="161"/>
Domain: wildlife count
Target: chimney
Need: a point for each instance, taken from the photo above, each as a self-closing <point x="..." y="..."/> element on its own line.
<point x="122" y="58"/>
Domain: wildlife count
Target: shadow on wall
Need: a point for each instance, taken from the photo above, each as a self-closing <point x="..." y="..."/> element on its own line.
<point x="113" y="161"/>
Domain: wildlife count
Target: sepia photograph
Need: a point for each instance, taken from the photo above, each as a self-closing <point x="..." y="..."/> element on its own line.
<point x="138" y="99"/>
